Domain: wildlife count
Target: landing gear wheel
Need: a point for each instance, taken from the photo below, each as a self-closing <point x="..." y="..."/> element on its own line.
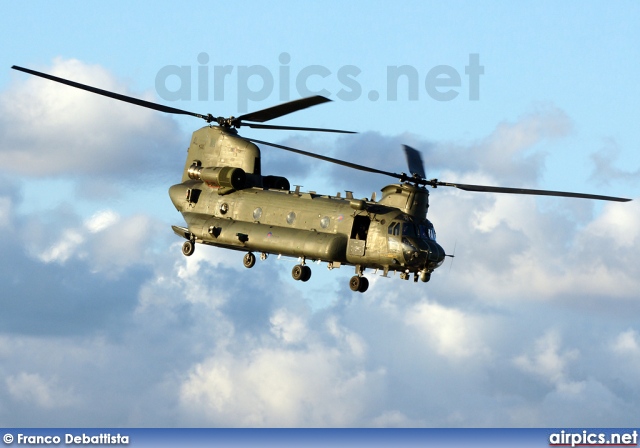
<point x="297" y="272"/>
<point x="306" y="273"/>
<point x="301" y="272"/>
<point x="188" y="248"/>
<point x="360" y="284"/>
<point x="249" y="260"/>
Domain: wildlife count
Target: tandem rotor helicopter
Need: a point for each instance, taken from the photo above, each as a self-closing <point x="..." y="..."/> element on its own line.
<point x="227" y="201"/>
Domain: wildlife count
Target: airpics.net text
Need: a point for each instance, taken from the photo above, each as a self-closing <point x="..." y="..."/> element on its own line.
<point x="255" y="83"/>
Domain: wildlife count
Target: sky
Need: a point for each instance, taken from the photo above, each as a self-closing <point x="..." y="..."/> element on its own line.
<point x="534" y="323"/>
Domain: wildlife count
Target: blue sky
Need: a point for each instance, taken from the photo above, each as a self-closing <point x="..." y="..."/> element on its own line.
<point x="524" y="329"/>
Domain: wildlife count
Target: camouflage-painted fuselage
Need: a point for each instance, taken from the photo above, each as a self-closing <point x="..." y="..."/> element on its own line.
<point x="243" y="210"/>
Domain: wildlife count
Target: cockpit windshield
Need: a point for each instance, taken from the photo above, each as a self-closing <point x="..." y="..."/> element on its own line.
<point x="427" y="231"/>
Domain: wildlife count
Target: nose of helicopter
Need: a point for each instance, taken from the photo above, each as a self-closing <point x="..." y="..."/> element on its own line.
<point x="435" y="255"/>
<point x="426" y="254"/>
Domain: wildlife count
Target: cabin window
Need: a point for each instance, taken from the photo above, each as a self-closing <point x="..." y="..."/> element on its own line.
<point x="257" y="214"/>
<point x="394" y="228"/>
<point x="291" y="217"/>
<point x="324" y="222"/>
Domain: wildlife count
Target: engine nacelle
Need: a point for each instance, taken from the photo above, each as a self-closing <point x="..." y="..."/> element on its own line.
<point x="276" y="183"/>
<point x="225" y="177"/>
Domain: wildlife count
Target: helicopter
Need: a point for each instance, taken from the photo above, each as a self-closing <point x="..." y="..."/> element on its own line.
<point x="226" y="201"/>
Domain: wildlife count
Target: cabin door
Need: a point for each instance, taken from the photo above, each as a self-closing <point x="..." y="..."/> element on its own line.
<point x="358" y="239"/>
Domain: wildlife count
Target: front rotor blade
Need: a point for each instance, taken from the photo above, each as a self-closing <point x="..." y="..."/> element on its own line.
<point x="566" y="194"/>
<point x="328" y="159"/>
<point x="116" y="96"/>
<point x="270" y="113"/>
<point x="294" y="128"/>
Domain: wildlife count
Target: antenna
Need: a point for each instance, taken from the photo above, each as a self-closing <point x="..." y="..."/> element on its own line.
<point x="453" y="255"/>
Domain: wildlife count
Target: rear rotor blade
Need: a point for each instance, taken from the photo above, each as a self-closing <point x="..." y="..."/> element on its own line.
<point x="566" y="194"/>
<point x="414" y="160"/>
<point x="116" y="96"/>
<point x="260" y="116"/>
<point x="435" y="183"/>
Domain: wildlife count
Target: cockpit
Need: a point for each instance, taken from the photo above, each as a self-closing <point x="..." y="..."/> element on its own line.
<point x="423" y="231"/>
<point x="417" y="242"/>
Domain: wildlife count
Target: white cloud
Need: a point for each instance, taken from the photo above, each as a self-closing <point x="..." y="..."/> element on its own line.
<point x="80" y="134"/>
<point x="618" y="223"/>
<point x="61" y="250"/>
<point x="452" y="333"/>
<point x="627" y="344"/>
<point x="31" y="388"/>
<point x="107" y="242"/>
<point x="548" y="362"/>
<point x="101" y="220"/>
<point x="605" y="171"/>
<point x="349" y="340"/>
<point x="161" y="339"/>
<point x="510" y="154"/>
<point x="288" y="327"/>
<point x="278" y="387"/>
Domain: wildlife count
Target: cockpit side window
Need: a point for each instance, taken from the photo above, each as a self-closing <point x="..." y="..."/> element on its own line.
<point x="408" y="229"/>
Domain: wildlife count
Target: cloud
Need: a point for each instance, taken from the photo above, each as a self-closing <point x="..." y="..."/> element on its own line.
<point x="70" y="278"/>
<point x="450" y="332"/>
<point x="105" y="323"/>
<point x="106" y="243"/>
<point x="45" y="394"/>
<point x="288" y="327"/>
<point x="605" y="171"/>
<point x="295" y="167"/>
<point x="508" y="156"/>
<point x="279" y="387"/>
<point x="49" y="129"/>
<point x="628" y="344"/>
<point x="548" y="362"/>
